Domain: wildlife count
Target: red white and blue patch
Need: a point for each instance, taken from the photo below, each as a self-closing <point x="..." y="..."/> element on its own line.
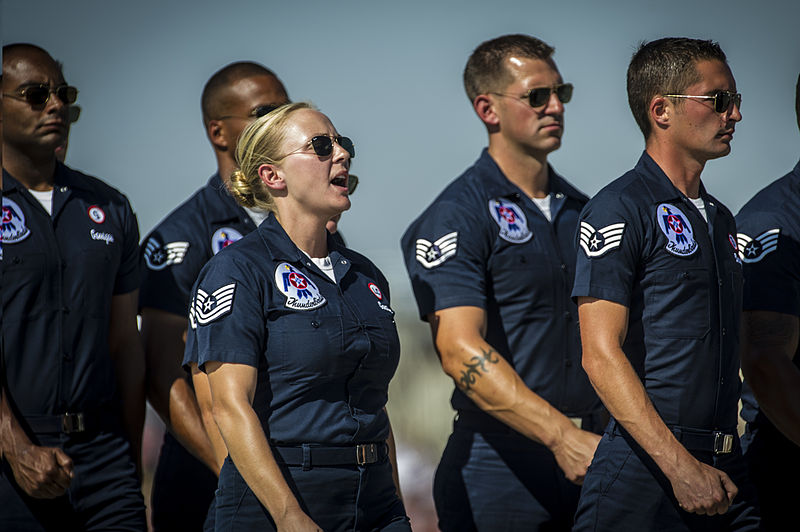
<point x="224" y="237"/>
<point x="96" y="214"/>
<point x="158" y="257"/>
<point x="511" y="219"/>
<point x="300" y="291"/>
<point x="13" y="223"/>
<point x="598" y="242"/>
<point x="432" y="254"/>
<point x="210" y="307"/>
<point x="676" y="227"/>
<point x="754" y="249"/>
<point x="375" y="290"/>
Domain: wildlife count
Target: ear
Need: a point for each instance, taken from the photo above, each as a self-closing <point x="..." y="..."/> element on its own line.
<point x="216" y="134"/>
<point x="271" y="177"/>
<point x="660" y="111"/>
<point x="484" y="108"/>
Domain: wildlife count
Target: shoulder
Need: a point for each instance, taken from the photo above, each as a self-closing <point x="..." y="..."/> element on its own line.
<point x="625" y="194"/>
<point x="186" y="217"/>
<point x="773" y="204"/>
<point x="101" y="190"/>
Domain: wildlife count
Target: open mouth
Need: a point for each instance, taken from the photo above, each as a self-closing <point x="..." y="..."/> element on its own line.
<point x="340" y="181"/>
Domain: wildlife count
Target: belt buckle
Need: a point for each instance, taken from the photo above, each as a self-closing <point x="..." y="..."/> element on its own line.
<point x="723" y="443"/>
<point x="72" y="423"/>
<point x="366" y="453"/>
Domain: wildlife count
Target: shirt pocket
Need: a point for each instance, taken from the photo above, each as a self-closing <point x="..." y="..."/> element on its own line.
<point x="679" y="303"/>
<point x="307" y="348"/>
<point x="24" y="287"/>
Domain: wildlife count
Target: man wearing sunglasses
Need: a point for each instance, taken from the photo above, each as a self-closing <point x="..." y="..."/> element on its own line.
<point x="769" y="246"/>
<point x="659" y="290"/>
<point x="173" y="255"/>
<point x="73" y="392"/>
<point x="491" y="264"/>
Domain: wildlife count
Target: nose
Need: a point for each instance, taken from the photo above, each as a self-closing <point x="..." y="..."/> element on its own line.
<point x="554" y="105"/>
<point x="735" y="113"/>
<point x="339" y="153"/>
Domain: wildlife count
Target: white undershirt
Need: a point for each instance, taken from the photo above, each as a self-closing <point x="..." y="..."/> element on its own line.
<point x="45" y="198"/>
<point x="544" y="206"/>
<point x="701" y="206"/>
<point x="257" y="215"/>
<point x="323" y="264"/>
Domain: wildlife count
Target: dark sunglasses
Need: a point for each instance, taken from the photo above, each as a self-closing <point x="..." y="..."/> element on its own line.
<point x="40" y="94"/>
<point x="257" y="112"/>
<point x="723" y="100"/>
<point x="352" y="183"/>
<point x="539" y="96"/>
<point x="323" y="145"/>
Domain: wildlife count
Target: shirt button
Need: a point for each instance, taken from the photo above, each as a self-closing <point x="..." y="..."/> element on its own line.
<point x="564" y="267"/>
<point x="724" y="331"/>
<point x="719" y="282"/>
<point x="308" y="264"/>
<point x="315" y="324"/>
<point x="567" y="316"/>
<point x="344" y="261"/>
<point x="63" y="189"/>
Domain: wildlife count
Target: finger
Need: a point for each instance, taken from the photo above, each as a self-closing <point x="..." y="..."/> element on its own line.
<point x="731" y="490"/>
<point x="64" y="461"/>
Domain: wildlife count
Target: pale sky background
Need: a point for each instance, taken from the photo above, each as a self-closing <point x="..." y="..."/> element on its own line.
<point x="389" y="76"/>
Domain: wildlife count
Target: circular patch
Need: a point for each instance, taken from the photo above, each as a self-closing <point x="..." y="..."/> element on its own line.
<point x="96" y="214"/>
<point x="375" y="290"/>
<point x="224" y="237"/>
<point x="13" y="223"/>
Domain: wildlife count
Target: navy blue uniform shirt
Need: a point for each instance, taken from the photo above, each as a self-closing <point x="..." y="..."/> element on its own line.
<point x="769" y="246"/>
<point x="484" y="243"/>
<point x="59" y="275"/>
<point x="646" y="246"/>
<point x="177" y="249"/>
<point x="325" y="351"/>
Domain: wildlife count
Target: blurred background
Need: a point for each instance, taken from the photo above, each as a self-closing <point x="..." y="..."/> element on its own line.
<point x="389" y="76"/>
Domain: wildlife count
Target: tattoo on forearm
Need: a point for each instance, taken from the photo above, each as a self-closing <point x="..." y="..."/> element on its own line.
<point x="476" y="367"/>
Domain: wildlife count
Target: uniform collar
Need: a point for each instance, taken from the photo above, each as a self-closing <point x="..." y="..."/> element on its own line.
<point x="661" y="188"/>
<point x="63" y="177"/>
<point x="282" y="247"/>
<point x="496" y="184"/>
<point x="222" y="207"/>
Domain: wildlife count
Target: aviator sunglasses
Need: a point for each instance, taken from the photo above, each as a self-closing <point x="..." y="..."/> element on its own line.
<point x="40" y="94"/>
<point x="539" y="96"/>
<point x="722" y="99"/>
<point x="257" y="112"/>
<point x="323" y="145"/>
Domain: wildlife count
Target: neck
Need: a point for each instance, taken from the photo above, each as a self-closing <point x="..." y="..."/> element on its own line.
<point x="682" y="169"/>
<point x="528" y="171"/>
<point x="225" y="167"/>
<point x="34" y="172"/>
<point x="307" y="232"/>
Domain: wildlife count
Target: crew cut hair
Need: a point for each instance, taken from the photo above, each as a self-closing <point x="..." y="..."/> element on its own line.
<point x="212" y="101"/>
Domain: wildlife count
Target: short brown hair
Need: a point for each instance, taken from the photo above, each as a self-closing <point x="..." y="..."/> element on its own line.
<point x="665" y="66"/>
<point x="486" y="72"/>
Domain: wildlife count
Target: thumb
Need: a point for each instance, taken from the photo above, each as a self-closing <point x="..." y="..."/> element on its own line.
<point x="64" y="461"/>
<point x="730" y="488"/>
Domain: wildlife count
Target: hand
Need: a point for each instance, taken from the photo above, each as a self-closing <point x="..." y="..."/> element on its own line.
<point x="297" y="521"/>
<point x="41" y="472"/>
<point x="574" y="452"/>
<point x="704" y="490"/>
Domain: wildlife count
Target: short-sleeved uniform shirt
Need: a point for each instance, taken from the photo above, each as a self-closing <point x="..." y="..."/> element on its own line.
<point x="646" y="246"/>
<point x="325" y="350"/>
<point x="177" y="249"/>
<point x="60" y="272"/>
<point x="769" y="246"/>
<point x="484" y="243"/>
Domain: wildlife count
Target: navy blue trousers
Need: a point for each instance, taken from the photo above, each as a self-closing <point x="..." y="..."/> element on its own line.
<point x="625" y="491"/>
<point x="104" y="494"/>
<point x="501" y="481"/>
<point x="183" y="488"/>
<point x="337" y="498"/>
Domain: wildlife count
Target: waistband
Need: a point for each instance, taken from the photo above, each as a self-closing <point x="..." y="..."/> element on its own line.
<point x="90" y="421"/>
<point x="699" y="440"/>
<point x="484" y="423"/>
<point x="308" y="455"/>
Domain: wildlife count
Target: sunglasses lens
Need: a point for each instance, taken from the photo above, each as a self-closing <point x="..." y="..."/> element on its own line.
<point x="347" y="144"/>
<point x="352" y="183"/>
<point x="539" y="97"/>
<point x="722" y="100"/>
<point x="37" y="95"/>
<point x="67" y="94"/>
<point x="323" y="146"/>
<point x="262" y="110"/>
<point x="564" y="92"/>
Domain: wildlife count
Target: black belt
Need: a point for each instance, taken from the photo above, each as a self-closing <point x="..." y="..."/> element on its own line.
<point x="309" y="456"/>
<point x="713" y="441"/>
<point x="69" y="423"/>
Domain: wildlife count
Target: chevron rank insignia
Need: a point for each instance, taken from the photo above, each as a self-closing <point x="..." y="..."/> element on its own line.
<point x="158" y="257"/>
<point x="598" y="242"/>
<point x="754" y="249"/>
<point x="211" y="307"/>
<point x="432" y="254"/>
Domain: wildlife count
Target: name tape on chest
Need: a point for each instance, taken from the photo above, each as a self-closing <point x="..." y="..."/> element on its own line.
<point x="513" y="224"/>
<point x="158" y="257"/>
<point x="432" y="254"/>
<point x="300" y="291"/>
<point x="224" y="237"/>
<point x="108" y="238"/>
<point x="754" y="249"/>
<point x="13" y="223"/>
<point x="678" y="230"/>
<point x="598" y="242"/>
<point x="210" y="307"/>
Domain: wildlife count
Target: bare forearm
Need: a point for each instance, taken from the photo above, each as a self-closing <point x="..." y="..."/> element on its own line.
<point x="203" y="395"/>
<point x="186" y="424"/>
